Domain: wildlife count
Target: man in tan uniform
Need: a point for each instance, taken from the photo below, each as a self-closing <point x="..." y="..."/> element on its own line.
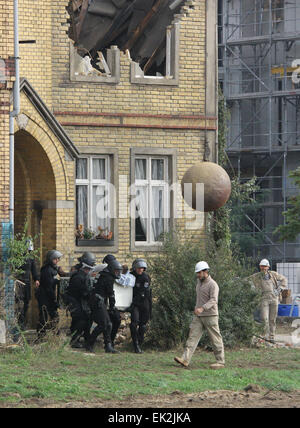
<point x="206" y="317"/>
<point x="270" y="284"/>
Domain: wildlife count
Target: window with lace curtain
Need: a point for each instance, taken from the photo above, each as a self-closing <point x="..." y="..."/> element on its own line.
<point x="152" y="199"/>
<point x="93" y="197"/>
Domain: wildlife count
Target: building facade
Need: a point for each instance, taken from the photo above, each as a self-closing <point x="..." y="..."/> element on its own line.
<point x="96" y="154"/>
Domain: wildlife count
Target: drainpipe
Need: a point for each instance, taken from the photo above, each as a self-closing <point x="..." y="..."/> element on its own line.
<point x="8" y="228"/>
<point x="13" y="114"/>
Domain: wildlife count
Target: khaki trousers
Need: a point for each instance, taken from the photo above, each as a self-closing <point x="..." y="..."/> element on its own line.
<point x="197" y="327"/>
<point x="268" y="314"/>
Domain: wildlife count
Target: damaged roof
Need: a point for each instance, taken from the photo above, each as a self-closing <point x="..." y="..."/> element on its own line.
<point x="135" y="25"/>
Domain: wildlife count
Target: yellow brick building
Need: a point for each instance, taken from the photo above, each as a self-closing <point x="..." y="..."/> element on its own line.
<point x="75" y="123"/>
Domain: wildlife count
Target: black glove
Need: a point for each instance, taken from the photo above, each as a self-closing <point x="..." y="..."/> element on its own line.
<point x="111" y="310"/>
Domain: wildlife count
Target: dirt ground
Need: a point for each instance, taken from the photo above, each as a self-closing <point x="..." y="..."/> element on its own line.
<point x="253" y="398"/>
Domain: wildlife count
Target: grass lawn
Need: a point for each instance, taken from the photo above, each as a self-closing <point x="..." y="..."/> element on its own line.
<point x="63" y="375"/>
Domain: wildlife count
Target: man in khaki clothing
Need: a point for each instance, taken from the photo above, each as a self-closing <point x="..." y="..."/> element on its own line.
<point x="206" y="317"/>
<point x="270" y="284"/>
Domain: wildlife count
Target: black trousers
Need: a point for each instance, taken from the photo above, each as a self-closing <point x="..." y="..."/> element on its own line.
<point x="81" y="321"/>
<point x="24" y="298"/>
<point x="48" y="318"/>
<point x="115" y="319"/>
<point x="48" y="315"/>
<point x="140" y="316"/>
<point x="101" y="318"/>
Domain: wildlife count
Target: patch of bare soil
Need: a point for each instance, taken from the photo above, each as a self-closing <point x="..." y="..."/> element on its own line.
<point x="254" y="397"/>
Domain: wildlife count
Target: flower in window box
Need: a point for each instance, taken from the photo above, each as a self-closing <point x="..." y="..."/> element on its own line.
<point x="109" y="236"/>
<point x="79" y="232"/>
<point x="84" y="233"/>
<point x="88" y="234"/>
<point x="104" y="234"/>
<point x="101" y="233"/>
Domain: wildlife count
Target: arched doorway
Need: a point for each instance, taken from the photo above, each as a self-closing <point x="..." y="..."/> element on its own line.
<point x="35" y="196"/>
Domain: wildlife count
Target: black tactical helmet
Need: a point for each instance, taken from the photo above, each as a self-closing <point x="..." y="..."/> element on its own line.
<point x="115" y="268"/>
<point x="87" y="258"/>
<point x="108" y="258"/>
<point x="139" y="263"/>
<point x="53" y="254"/>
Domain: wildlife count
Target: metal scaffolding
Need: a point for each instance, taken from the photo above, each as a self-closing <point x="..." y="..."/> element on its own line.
<point x="259" y="45"/>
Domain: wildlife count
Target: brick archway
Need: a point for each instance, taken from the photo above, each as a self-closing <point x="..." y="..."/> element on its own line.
<point x="35" y="189"/>
<point x="36" y="125"/>
<point x="35" y="193"/>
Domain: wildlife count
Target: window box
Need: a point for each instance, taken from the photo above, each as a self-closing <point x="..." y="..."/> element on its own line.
<point x="94" y="243"/>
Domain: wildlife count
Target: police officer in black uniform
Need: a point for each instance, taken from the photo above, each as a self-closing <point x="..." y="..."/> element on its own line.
<point x="141" y="308"/>
<point x="77" y="297"/>
<point x="114" y="314"/>
<point x="46" y="293"/>
<point x="103" y="295"/>
<point x="29" y="269"/>
<point x="108" y="258"/>
<point x="87" y="258"/>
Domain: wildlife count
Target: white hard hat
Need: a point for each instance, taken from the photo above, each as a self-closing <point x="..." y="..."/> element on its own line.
<point x="201" y="266"/>
<point x="264" y="262"/>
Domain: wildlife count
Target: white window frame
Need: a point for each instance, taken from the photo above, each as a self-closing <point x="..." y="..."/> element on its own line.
<point x="150" y="184"/>
<point x="111" y="67"/>
<point x="171" y="76"/>
<point x="90" y="182"/>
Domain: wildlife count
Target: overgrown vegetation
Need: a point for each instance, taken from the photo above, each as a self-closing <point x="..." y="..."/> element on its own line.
<point x="173" y="282"/>
<point x="15" y="253"/>
<point x="17" y="249"/>
<point x="291" y="229"/>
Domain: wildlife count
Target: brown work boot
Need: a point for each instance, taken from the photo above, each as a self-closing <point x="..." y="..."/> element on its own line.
<point x="181" y="361"/>
<point x="217" y="366"/>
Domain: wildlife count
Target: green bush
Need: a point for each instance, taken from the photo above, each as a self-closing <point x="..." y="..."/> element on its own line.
<point x="18" y="253"/>
<point x="174" y="292"/>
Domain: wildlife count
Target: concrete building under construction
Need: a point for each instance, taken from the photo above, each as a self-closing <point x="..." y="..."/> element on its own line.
<point x="259" y="58"/>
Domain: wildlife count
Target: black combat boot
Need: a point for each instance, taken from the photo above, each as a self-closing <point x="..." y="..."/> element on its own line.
<point x="110" y="349"/>
<point x="77" y="345"/>
<point x="89" y="347"/>
<point x="141" y="334"/>
<point x="137" y="348"/>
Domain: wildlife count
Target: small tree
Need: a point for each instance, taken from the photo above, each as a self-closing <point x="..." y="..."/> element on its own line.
<point x="18" y="253"/>
<point x="15" y="254"/>
<point x="291" y="229"/>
